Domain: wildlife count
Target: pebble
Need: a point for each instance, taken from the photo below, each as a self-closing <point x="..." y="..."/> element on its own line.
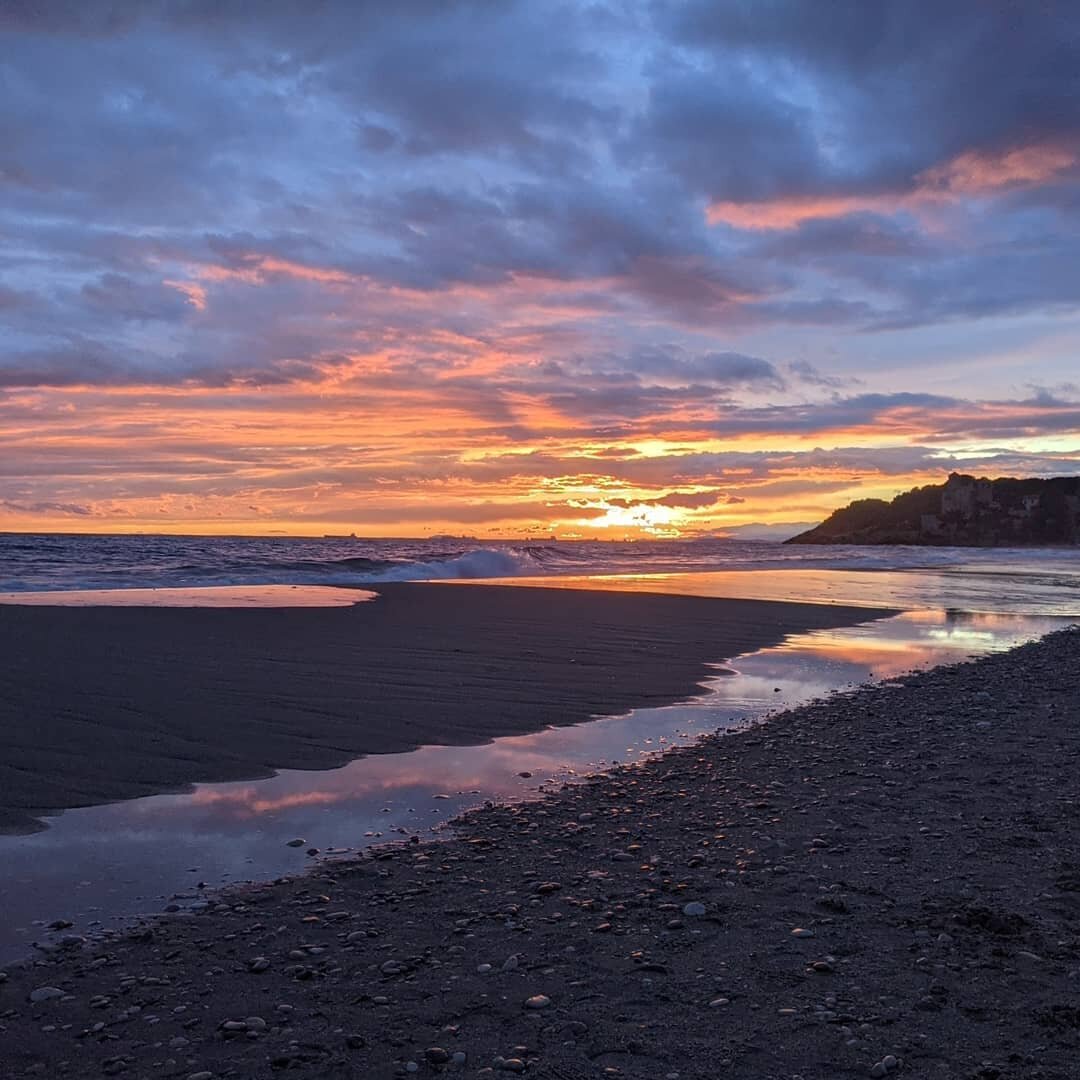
<point x="719" y="1003"/>
<point x="260" y="963"/>
<point x="695" y="907"/>
<point x="436" y="1055"/>
<point x="459" y="1057"/>
<point x="298" y="842"/>
<point x="204" y="1075"/>
<point x="537" y="1001"/>
<point x="886" y="1065"/>
<point x="802" y="932"/>
<point x="45" y="993"/>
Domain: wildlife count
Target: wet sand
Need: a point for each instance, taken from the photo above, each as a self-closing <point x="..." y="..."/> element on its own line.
<point x="883" y="883"/>
<point x="104" y="703"/>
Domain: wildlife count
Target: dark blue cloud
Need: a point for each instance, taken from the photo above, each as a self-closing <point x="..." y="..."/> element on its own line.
<point x="439" y="146"/>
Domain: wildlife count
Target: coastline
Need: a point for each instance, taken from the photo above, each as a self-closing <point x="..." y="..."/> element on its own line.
<point x="155" y="699"/>
<point x="883" y="882"/>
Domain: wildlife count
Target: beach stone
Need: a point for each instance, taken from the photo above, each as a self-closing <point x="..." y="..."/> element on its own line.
<point x="459" y="1057"/>
<point x="436" y="1055"/>
<point x="204" y="1075"/>
<point x="802" y="932"/>
<point x="537" y="1001"/>
<point x="298" y="842"/>
<point x="695" y="907"/>
<point x="514" y="1065"/>
<point x="259" y="964"/>
<point x="45" y="993"/>
<point x="719" y="1003"/>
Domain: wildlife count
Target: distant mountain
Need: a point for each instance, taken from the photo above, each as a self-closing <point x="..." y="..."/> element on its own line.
<point x="965" y="511"/>
<point x="761" y="531"/>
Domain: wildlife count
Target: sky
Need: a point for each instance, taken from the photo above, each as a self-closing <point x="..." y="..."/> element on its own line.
<point x="497" y="268"/>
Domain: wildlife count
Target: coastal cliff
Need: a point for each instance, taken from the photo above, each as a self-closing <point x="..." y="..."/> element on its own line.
<point x="964" y="511"/>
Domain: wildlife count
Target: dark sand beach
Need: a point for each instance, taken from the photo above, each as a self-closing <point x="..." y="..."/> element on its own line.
<point x="105" y="703"/>
<point x="883" y="883"/>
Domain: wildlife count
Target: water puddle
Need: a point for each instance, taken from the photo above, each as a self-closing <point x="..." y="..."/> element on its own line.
<point x="98" y="865"/>
<point x="224" y="596"/>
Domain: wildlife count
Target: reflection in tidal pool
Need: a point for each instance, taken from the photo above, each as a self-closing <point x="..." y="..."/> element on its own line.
<point x="100" y="864"/>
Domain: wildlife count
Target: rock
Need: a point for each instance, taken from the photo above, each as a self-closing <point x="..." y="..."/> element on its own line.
<point x="514" y="1065"/>
<point x="719" y="1003"/>
<point x="436" y="1055"/>
<point x="204" y="1075"/>
<point x="298" y="842"/>
<point x="890" y="1062"/>
<point x="60" y="924"/>
<point x="802" y="932"/>
<point x="393" y="967"/>
<point x="45" y="993"/>
<point x="459" y="1057"/>
<point x="878" y="1070"/>
<point x="259" y="964"/>
<point x="537" y="1001"/>
<point x="695" y="907"/>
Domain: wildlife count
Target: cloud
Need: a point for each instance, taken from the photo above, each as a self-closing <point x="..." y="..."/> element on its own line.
<point x="368" y="248"/>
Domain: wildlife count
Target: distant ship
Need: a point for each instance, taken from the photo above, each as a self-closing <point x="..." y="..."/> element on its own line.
<point x="333" y="536"/>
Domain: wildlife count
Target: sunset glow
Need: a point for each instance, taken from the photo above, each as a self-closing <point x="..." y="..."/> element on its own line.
<point x="678" y="272"/>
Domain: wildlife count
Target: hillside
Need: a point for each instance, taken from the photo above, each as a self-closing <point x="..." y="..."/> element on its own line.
<point x="965" y="511"/>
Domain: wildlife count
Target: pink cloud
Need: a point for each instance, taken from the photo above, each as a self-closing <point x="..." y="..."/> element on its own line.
<point x="970" y="174"/>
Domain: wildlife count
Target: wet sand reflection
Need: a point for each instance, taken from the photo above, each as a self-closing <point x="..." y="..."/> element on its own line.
<point x="106" y="862"/>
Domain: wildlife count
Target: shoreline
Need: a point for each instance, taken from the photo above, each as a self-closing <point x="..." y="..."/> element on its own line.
<point x="885" y="878"/>
<point x="155" y="699"/>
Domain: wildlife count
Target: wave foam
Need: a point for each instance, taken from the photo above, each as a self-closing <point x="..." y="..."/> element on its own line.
<point x="479" y="563"/>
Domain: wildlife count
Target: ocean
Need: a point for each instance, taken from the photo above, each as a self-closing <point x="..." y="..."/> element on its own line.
<point x="1025" y="580"/>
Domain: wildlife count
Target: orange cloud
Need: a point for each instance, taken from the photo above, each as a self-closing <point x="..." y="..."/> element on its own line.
<point x="971" y="173"/>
